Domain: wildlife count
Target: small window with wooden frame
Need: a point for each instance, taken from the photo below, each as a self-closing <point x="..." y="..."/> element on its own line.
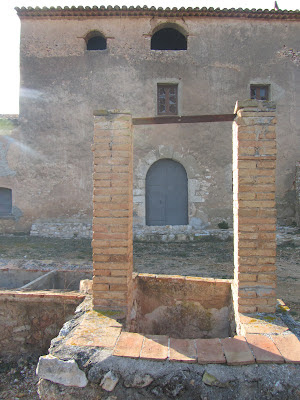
<point x="260" y="92"/>
<point x="167" y="99"/>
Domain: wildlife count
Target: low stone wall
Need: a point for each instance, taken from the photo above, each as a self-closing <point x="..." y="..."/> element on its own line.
<point x="179" y="233"/>
<point x="145" y="234"/>
<point x="63" y="230"/>
<point x="29" y="320"/>
<point x="182" y="307"/>
<point x="183" y="233"/>
<point x="130" y="379"/>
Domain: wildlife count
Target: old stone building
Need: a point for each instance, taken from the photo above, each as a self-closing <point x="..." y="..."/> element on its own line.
<point x="188" y="65"/>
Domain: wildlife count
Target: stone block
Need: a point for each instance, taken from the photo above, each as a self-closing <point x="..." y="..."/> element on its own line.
<point x="59" y="371"/>
<point x="109" y="381"/>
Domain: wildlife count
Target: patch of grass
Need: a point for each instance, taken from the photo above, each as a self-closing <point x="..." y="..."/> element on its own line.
<point x="223" y="225"/>
<point x="269" y="318"/>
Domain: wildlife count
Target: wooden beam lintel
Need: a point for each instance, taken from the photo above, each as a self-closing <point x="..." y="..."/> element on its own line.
<point x="187" y="119"/>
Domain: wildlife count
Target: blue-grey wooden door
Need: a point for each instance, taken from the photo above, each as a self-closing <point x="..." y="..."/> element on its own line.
<point x="166" y="194"/>
<point x="5" y="201"/>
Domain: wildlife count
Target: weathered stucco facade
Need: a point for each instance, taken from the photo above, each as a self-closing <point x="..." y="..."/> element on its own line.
<point x="49" y="154"/>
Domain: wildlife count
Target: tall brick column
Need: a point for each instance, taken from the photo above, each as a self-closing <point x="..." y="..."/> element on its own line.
<point x="254" y="159"/>
<point x="112" y="203"/>
<point x="297" y="183"/>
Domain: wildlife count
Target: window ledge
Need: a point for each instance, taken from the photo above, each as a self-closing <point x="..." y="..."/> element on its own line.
<point x="7" y="216"/>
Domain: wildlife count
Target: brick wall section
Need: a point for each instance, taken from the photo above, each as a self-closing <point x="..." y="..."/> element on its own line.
<point x="29" y="320"/>
<point x="254" y="161"/>
<point x="297" y="182"/>
<point x="112" y="210"/>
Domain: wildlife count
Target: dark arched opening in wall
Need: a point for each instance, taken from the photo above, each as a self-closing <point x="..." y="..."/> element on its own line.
<point x="168" y="39"/>
<point x="95" y="41"/>
<point x="5" y="201"/>
<point x="166" y="194"/>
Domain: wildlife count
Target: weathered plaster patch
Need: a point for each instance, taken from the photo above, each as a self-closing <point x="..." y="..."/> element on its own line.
<point x="228" y="178"/>
<point x="16" y="213"/>
<point x="198" y="223"/>
<point x="198" y="190"/>
<point x="226" y="65"/>
<point x="292" y="54"/>
<point x="4" y="168"/>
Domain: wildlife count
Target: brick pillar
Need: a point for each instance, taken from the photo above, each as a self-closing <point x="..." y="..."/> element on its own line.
<point x="297" y="183"/>
<point x="254" y="159"/>
<point x="112" y="204"/>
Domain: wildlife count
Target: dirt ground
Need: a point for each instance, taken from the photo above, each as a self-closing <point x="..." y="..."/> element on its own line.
<point x="18" y="379"/>
<point x="207" y="257"/>
<point x="214" y="258"/>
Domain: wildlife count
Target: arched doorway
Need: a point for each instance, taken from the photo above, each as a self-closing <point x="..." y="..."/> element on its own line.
<point x="166" y="194"/>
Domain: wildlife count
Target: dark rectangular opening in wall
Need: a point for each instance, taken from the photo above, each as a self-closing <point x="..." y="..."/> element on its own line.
<point x="260" y="92"/>
<point x="5" y="201"/>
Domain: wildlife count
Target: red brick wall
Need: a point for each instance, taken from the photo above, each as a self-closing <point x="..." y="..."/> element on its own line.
<point x="297" y="182"/>
<point x="254" y="162"/>
<point x="112" y="205"/>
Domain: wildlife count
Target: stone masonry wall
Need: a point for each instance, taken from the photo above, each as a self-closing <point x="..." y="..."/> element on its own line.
<point x="66" y="230"/>
<point x="47" y="161"/>
<point x="112" y="205"/>
<point x="254" y="161"/>
<point x="30" y="320"/>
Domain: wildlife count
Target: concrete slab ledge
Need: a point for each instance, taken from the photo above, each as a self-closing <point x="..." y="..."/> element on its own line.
<point x="99" y="330"/>
<point x="129" y="365"/>
<point x="40" y="295"/>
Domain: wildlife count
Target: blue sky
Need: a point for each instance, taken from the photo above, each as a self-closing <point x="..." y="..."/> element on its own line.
<point x="10" y="32"/>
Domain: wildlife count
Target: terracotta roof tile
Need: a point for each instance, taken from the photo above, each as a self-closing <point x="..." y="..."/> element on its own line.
<point x="61" y="12"/>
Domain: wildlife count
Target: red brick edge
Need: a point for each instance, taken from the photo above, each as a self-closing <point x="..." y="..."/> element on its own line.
<point x="238" y="350"/>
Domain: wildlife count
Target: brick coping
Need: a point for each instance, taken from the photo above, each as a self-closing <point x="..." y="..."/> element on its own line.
<point x="275" y="345"/>
<point x="40" y="295"/>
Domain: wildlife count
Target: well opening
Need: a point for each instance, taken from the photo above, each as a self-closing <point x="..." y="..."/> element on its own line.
<point x="181" y="307"/>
